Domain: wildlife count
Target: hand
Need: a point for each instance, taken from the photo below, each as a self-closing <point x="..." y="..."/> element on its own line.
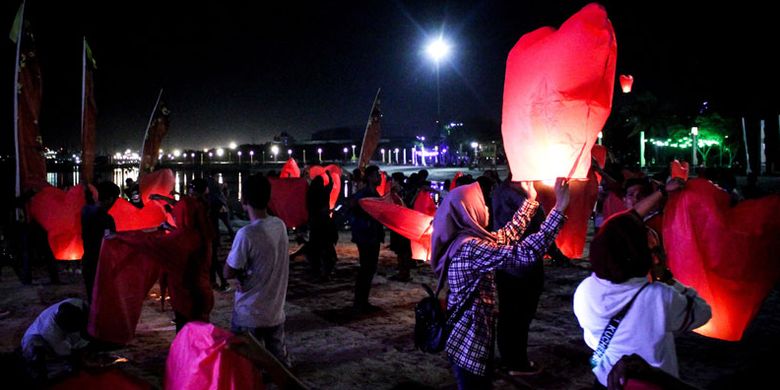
<point x="561" y="194"/>
<point x="529" y="189"/>
<point x="675" y="184"/>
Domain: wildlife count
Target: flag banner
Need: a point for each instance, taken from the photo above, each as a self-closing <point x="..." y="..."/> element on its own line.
<point x="88" y="116"/>
<point x="158" y="128"/>
<point x="372" y="134"/>
<point x="727" y="253"/>
<point x="31" y="174"/>
<point x="288" y="200"/>
<point x="199" y="358"/>
<point x="557" y="96"/>
<point x="290" y="170"/>
<point x="59" y="213"/>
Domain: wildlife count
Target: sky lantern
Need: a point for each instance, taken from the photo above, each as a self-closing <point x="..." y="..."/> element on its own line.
<point x="128" y="217"/>
<point x="161" y="181"/>
<point x="335" y="172"/>
<point x="290" y="169"/>
<point x="288" y="200"/>
<point x="558" y="95"/>
<point x="59" y="213"/>
<point x="728" y="254"/>
<point x="626" y="82"/>
<point x="412" y="224"/>
<point x="679" y="170"/>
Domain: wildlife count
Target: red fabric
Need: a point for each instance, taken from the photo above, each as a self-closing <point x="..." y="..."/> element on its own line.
<point x="199" y="359"/>
<point x="32" y="165"/>
<point x="112" y="378"/>
<point x="454" y="181"/>
<point x="558" y="95"/>
<point x="128" y="217"/>
<point x="424" y="203"/>
<point x="679" y="170"/>
<point x="288" y="200"/>
<point x="124" y="276"/>
<point x="335" y="172"/>
<point x="384" y="185"/>
<point x="412" y="224"/>
<point x="728" y="254"/>
<point x="59" y="213"/>
<point x="290" y="170"/>
<point x="161" y="181"/>
<point x="583" y="196"/>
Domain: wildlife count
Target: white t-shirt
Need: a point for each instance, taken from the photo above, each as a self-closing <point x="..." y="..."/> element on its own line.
<point x="659" y="312"/>
<point x="260" y="251"/>
<point x="60" y="342"/>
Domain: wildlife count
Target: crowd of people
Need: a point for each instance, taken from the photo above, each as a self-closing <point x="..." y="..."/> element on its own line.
<point x="491" y="238"/>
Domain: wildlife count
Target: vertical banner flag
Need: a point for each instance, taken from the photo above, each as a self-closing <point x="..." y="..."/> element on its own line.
<point x="372" y="134"/>
<point x="88" y="115"/>
<point x="557" y="96"/>
<point x="30" y="162"/>
<point x="155" y="132"/>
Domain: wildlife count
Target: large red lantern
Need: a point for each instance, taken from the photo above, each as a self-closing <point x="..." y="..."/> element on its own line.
<point x="558" y="95"/>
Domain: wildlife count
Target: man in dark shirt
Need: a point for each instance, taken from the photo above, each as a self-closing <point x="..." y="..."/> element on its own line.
<point x="96" y="223"/>
<point x="368" y="234"/>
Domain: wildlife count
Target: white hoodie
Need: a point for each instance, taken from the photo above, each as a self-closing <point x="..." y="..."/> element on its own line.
<point x="659" y="312"/>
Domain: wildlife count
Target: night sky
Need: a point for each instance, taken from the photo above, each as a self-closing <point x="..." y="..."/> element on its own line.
<point x="244" y="71"/>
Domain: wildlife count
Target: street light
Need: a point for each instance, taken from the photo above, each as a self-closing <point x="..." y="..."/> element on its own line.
<point x="383" y="155"/>
<point x="345" y="154"/>
<point x="319" y="153"/>
<point x="274" y="151"/>
<point x="251" y="157"/>
<point x="475" y="146"/>
<point x="694" y="133"/>
<point x="239" y="157"/>
<point x="396" y="156"/>
<point x="353" y="153"/>
<point x="289" y="153"/>
<point x="438" y="50"/>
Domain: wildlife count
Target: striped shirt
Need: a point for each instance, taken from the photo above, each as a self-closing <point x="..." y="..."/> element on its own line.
<point x="470" y="343"/>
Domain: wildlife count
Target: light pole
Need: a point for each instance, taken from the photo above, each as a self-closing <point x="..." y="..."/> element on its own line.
<point x="346" y="150"/>
<point x="694" y="133"/>
<point x="396" y="156"/>
<point x="274" y="151"/>
<point x="239" y="157"/>
<point x="289" y="153"/>
<point x="353" y="153"/>
<point x="475" y="146"/>
<point x="319" y="153"/>
<point x="438" y="50"/>
<point x="383" y="155"/>
<point x="251" y="157"/>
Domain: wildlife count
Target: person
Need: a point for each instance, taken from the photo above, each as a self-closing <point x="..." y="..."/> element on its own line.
<point x="323" y="233"/>
<point x="634" y="368"/>
<point x="217" y="207"/>
<point x="96" y="223"/>
<point x="368" y="234"/>
<point x="621" y="262"/>
<point x="468" y="255"/>
<point x="259" y="261"/>
<point x="400" y="245"/>
<point x="50" y="344"/>
<point x="135" y="196"/>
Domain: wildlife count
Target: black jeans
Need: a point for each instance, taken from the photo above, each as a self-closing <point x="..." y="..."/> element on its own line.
<point x="518" y="297"/>
<point x="369" y="257"/>
<point x="468" y="380"/>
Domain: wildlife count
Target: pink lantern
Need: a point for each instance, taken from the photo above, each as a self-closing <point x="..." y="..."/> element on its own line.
<point x="558" y="95"/>
<point x="626" y="81"/>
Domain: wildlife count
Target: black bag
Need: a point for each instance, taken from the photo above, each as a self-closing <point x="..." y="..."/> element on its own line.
<point x="430" y="323"/>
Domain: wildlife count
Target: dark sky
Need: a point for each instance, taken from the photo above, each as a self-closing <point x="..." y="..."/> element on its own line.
<point x="246" y="70"/>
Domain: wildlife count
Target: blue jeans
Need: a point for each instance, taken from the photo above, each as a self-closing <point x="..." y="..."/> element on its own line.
<point x="272" y="337"/>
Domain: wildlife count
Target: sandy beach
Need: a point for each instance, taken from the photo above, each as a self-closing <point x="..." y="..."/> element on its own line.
<point x="335" y="349"/>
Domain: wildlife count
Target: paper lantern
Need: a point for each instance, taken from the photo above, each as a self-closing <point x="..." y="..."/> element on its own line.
<point x="290" y="170"/>
<point x="557" y="96"/>
<point x="583" y="196"/>
<point x="679" y="170"/>
<point x="128" y="217"/>
<point x="626" y="81"/>
<point x="59" y="213"/>
<point x="412" y="224"/>
<point x="454" y="181"/>
<point x="423" y="203"/>
<point x="728" y="254"/>
<point x="288" y="200"/>
<point x="161" y="182"/>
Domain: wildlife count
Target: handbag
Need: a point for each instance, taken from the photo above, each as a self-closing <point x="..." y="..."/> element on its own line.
<point x="610" y="330"/>
<point x="431" y="325"/>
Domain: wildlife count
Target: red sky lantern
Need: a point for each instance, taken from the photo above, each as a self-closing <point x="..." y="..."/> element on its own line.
<point x="558" y="95"/>
<point x="290" y="169"/>
<point x="59" y="213"/>
<point x="412" y="224"/>
<point x="679" y="170"/>
<point x="626" y="81"/>
<point x="288" y="200"/>
<point x="728" y="254"/>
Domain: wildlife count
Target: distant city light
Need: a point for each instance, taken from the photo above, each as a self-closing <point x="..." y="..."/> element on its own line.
<point x="177" y="153"/>
<point x="233" y="145"/>
<point x="220" y="152"/>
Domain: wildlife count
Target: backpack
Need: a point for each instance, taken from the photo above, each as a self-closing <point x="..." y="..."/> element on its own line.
<point x="430" y="322"/>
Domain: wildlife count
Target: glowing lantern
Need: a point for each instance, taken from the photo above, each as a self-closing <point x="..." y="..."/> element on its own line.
<point x="454" y="181"/>
<point x="290" y="169"/>
<point x="626" y="81"/>
<point x="59" y="213"/>
<point x="728" y="254"/>
<point x="679" y="170"/>
<point x="128" y="217"/>
<point x="161" y="181"/>
<point x="412" y="224"/>
<point x="557" y="96"/>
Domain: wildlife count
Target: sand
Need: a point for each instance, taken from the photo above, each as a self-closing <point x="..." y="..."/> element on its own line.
<point x="334" y="349"/>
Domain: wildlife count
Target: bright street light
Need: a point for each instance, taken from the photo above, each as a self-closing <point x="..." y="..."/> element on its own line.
<point x="353" y="152"/>
<point x="694" y="133"/>
<point x="319" y="152"/>
<point x="233" y="145"/>
<point x="345" y="153"/>
<point x="383" y="155"/>
<point x="438" y="50"/>
<point x="274" y="151"/>
<point x="220" y="152"/>
<point x="251" y="157"/>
